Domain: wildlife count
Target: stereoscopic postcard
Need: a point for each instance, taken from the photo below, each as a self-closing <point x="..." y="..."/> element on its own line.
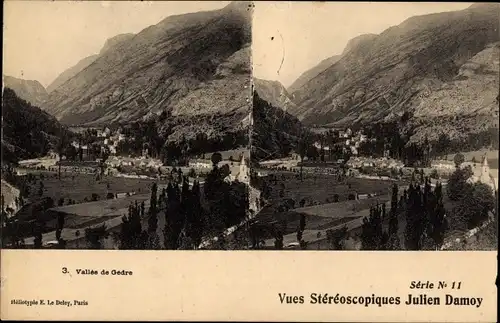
<point x="250" y="161"/>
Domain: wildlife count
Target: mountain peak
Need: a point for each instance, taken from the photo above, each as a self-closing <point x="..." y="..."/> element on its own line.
<point x="357" y="41"/>
<point x="110" y="42"/>
<point x="28" y="90"/>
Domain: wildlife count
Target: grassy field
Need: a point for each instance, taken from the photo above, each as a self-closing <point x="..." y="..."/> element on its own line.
<point x="322" y="188"/>
<point x="80" y="186"/>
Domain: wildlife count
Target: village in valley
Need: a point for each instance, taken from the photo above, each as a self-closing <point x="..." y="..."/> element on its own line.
<point x="93" y="185"/>
<point x="376" y="143"/>
<point x="321" y="200"/>
<point x="123" y="151"/>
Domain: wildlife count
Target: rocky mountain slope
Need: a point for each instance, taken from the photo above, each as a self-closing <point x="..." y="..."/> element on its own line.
<point x="312" y="73"/>
<point x="164" y="67"/>
<point x="82" y="64"/>
<point x="274" y="93"/>
<point x="436" y="65"/>
<point x="469" y="103"/>
<point x="31" y="91"/>
<point x="27" y="131"/>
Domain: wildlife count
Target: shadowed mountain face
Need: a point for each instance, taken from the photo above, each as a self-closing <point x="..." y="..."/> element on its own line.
<point x="27" y="131"/>
<point x="82" y="64"/>
<point x="274" y="133"/>
<point x="274" y="93"/>
<point x="163" y="68"/>
<point x="31" y="91"/>
<point x="421" y="66"/>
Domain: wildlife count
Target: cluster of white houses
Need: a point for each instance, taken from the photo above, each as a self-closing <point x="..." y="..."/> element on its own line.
<point x="350" y="141"/>
<point x="106" y="138"/>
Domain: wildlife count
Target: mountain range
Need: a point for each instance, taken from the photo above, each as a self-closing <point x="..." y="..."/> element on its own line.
<point x="410" y="68"/>
<point x="440" y="68"/>
<point x="191" y="64"/>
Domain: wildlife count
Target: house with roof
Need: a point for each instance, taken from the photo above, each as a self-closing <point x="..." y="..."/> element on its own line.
<point x="484" y="175"/>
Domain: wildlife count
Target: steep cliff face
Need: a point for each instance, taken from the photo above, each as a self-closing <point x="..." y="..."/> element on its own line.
<point x="157" y="69"/>
<point x="82" y="64"/>
<point x="274" y="93"/>
<point x="31" y="91"/>
<point x="428" y="66"/>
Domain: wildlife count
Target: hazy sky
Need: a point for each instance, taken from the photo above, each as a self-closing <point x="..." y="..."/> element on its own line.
<point x="43" y="38"/>
<point x="305" y="33"/>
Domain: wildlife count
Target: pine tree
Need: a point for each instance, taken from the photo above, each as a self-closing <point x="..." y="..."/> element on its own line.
<point x="196" y="216"/>
<point x="393" y="217"/>
<point x="438" y="220"/>
<point x="153" y="210"/>
<point x="173" y="218"/>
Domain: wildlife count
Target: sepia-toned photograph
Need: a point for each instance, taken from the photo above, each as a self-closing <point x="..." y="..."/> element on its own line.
<point x="173" y="143"/>
<point x="375" y="131"/>
<point x="125" y="125"/>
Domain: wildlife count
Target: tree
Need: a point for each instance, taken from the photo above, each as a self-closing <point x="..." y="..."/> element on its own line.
<point x="174" y="220"/>
<point x="415" y="214"/>
<point x="434" y="174"/>
<point x="60" y="225"/>
<point x="437" y="219"/>
<point x="458" y="160"/>
<point x="216" y="158"/>
<point x="60" y="202"/>
<point x="153" y="210"/>
<point x="303" y="147"/>
<point x="393" y="218"/>
<point x="62" y="143"/>
<point x="457" y="183"/>
<point x="196" y="215"/>
<point x="40" y="189"/>
<point x="336" y="238"/>
<point x="278" y="242"/>
<point x="477" y="202"/>
<point x="94" y="236"/>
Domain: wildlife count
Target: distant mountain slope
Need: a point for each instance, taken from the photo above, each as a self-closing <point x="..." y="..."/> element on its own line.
<point x="274" y="133"/>
<point x="157" y="68"/>
<point x="82" y="64"/>
<point x="393" y="72"/>
<point x="27" y="131"/>
<point x="312" y="73"/>
<point x="31" y="91"/>
<point x="70" y="72"/>
<point x="274" y="93"/>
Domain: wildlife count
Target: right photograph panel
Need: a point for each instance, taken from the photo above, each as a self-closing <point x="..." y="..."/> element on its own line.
<point x="375" y="126"/>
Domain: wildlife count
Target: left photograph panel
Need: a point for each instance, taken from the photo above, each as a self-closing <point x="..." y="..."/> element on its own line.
<point x="126" y="125"/>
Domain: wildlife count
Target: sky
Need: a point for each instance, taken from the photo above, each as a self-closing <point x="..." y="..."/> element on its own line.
<point x="43" y="38"/>
<point x="292" y="37"/>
